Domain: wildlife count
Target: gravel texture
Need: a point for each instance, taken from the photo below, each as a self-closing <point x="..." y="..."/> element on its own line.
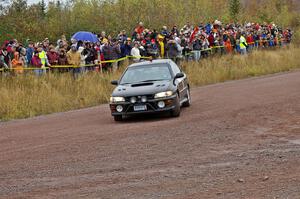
<point x="239" y="139"/>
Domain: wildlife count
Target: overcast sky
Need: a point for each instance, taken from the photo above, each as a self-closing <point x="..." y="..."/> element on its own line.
<point x="36" y="1"/>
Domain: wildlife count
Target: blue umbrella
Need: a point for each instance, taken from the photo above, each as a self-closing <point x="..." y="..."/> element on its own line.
<point x="85" y="36"/>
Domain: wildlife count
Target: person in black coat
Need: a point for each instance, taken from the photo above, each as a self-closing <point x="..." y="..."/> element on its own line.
<point x="172" y="50"/>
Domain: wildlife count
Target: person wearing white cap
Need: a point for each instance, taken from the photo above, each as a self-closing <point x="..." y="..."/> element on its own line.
<point x="135" y="52"/>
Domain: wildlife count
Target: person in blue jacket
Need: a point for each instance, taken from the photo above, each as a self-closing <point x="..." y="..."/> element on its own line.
<point x="29" y="52"/>
<point x="126" y="48"/>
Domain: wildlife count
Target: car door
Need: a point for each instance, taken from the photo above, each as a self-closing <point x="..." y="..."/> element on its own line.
<point x="180" y="82"/>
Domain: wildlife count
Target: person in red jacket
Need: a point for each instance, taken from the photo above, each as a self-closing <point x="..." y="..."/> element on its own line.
<point x="250" y="41"/>
<point x="52" y="56"/>
<point x="37" y="63"/>
<point x="140" y="28"/>
<point x="211" y="40"/>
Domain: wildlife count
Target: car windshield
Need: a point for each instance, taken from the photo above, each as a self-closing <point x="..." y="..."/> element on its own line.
<point x="147" y="73"/>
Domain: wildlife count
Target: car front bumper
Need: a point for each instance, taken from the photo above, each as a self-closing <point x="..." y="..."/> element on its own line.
<point x="152" y="106"/>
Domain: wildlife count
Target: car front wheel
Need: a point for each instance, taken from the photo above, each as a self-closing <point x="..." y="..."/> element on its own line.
<point x="176" y="111"/>
<point x="188" y="102"/>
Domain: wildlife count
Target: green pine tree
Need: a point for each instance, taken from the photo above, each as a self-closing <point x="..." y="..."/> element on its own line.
<point x="234" y="9"/>
<point x="19" y="6"/>
<point x="43" y="8"/>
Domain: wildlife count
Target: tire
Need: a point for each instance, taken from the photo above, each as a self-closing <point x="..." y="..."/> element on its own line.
<point x="189" y="101"/>
<point x="176" y="111"/>
<point x="118" y="118"/>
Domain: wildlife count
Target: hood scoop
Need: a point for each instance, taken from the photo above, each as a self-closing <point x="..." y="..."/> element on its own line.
<point x="120" y="89"/>
<point x="142" y="84"/>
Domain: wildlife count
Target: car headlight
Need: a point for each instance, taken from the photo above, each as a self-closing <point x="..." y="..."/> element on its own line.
<point x="116" y="99"/>
<point x="163" y="94"/>
<point x="133" y="100"/>
<point x="144" y="99"/>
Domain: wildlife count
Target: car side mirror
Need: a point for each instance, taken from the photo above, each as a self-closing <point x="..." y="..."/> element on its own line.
<point x="114" y="82"/>
<point x="179" y="75"/>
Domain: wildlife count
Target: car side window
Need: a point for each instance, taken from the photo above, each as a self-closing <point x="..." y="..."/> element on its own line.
<point x="175" y="68"/>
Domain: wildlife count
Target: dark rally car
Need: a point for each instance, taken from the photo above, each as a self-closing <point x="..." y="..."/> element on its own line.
<point x="150" y="87"/>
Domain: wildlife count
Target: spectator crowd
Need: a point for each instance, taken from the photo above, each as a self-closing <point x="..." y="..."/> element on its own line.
<point x="186" y="43"/>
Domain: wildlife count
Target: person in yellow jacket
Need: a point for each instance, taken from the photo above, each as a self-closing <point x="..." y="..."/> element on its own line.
<point x="161" y="45"/>
<point x="74" y="58"/>
<point x="243" y="44"/>
<point x="44" y="59"/>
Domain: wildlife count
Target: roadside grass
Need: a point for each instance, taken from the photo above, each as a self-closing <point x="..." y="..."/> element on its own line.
<point x="233" y="67"/>
<point x="28" y="96"/>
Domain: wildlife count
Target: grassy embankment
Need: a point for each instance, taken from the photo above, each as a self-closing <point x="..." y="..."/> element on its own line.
<point x="27" y="96"/>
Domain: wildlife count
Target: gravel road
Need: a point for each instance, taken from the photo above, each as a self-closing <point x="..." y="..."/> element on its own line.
<point x="239" y="139"/>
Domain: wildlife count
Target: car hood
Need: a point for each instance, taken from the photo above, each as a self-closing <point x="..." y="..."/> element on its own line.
<point x="146" y="88"/>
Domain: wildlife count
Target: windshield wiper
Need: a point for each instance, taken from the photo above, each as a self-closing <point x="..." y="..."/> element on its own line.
<point x="153" y="80"/>
<point x="148" y="80"/>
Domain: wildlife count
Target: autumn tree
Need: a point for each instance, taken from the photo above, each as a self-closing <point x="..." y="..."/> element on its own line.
<point x="39" y="20"/>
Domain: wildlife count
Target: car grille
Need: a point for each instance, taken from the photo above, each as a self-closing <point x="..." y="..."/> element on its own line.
<point x="139" y="97"/>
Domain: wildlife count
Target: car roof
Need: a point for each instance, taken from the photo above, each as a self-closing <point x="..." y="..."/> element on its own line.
<point x="156" y="61"/>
